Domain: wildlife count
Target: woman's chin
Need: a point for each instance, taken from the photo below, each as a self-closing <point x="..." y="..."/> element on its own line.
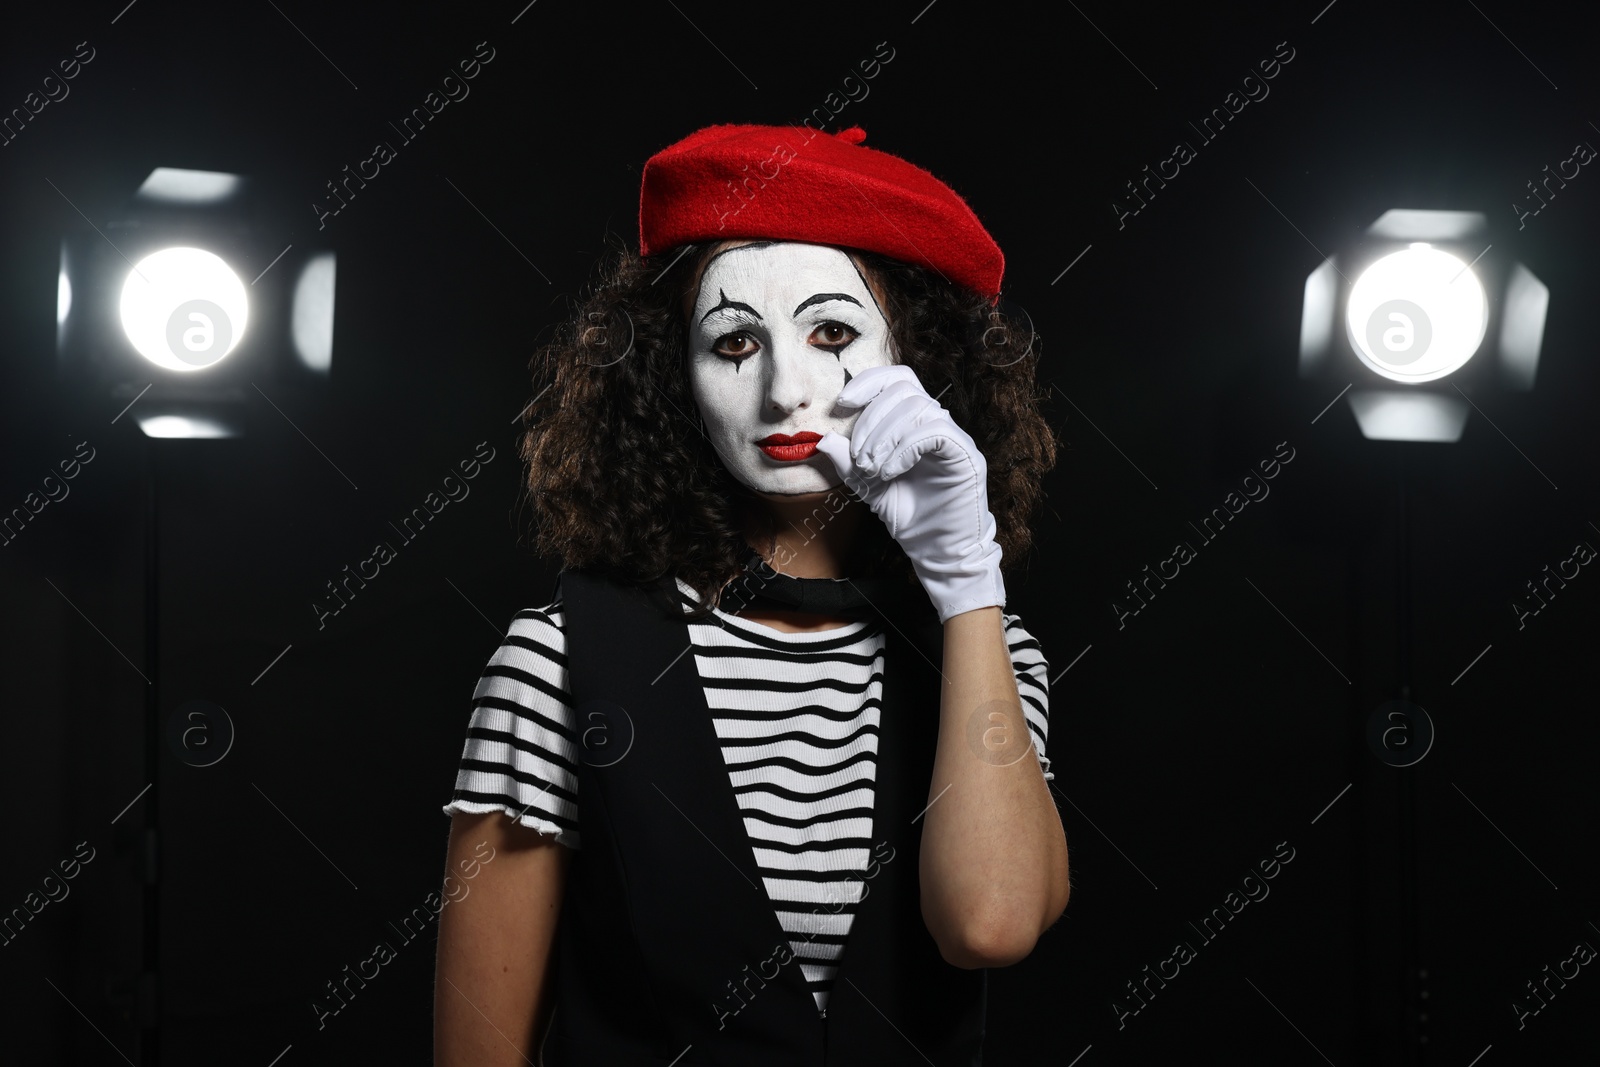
<point x="805" y="484"/>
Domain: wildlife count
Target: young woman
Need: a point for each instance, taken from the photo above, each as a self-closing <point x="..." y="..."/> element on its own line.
<point x="758" y="775"/>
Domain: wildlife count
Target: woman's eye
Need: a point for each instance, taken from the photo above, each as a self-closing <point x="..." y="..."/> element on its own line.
<point x="735" y="346"/>
<point x="834" y="335"/>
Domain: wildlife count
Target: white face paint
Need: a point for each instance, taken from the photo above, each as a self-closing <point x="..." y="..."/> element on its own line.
<point x="777" y="329"/>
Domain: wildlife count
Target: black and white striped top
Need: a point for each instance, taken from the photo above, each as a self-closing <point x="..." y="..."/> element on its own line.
<point x="797" y="715"/>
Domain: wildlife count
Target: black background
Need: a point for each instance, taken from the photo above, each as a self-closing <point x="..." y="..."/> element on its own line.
<point x="1220" y="721"/>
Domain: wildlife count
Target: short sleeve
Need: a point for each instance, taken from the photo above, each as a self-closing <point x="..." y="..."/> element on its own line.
<point x="521" y="748"/>
<point x="1033" y="685"/>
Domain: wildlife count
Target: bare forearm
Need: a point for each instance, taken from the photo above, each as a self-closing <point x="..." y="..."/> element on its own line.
<point x="994" y="857"/>
<point x="492" y="992"/>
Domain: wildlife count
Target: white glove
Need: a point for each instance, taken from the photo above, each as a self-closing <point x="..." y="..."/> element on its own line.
<point x="925" y="478"/>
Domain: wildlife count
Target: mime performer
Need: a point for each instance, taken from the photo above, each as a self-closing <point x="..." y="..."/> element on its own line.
<point x="764" y="775"/>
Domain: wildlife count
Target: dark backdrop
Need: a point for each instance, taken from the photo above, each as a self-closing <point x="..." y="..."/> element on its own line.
<point x="1225" y="721"/>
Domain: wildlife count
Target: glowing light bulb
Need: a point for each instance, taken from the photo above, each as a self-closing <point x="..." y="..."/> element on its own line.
<point x="183" y="309"/>
<point x="1417" y="315"/>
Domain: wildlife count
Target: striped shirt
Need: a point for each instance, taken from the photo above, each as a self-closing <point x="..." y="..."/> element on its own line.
<point x="797" y="717"/>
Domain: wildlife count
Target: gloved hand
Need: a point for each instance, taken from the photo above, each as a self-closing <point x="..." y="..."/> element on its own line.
<point x="925" y="478"/>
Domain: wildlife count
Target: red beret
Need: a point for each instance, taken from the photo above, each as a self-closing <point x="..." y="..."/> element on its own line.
<point x="794" y="183"/>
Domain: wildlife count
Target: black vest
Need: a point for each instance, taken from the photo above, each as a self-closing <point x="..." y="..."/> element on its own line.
<point x="668" y="940"/>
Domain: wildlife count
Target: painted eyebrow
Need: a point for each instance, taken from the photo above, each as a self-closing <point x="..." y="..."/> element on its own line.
<point x="726" y="303"/>
<point x="823" y="298"/>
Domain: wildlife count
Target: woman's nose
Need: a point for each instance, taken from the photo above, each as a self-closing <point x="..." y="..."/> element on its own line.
<point x="790" y="387"/>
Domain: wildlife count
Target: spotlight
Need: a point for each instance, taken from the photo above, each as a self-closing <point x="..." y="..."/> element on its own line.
<point x="1420" y="317"/>
<point x="173" y="306"/>
<point x="189" y="295"/>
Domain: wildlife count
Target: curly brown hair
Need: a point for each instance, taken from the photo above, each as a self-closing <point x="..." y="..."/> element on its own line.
<point x="620" y="490"/>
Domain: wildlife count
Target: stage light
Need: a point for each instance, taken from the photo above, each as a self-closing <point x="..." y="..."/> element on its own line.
<point x="197" y="308"/>
<point x="193" y="299"/>
<point x="183" y="309"/>
<point x="1429" y="315"/>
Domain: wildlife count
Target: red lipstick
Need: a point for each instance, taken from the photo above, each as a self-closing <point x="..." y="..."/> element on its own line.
<point x="782" y="446"/>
